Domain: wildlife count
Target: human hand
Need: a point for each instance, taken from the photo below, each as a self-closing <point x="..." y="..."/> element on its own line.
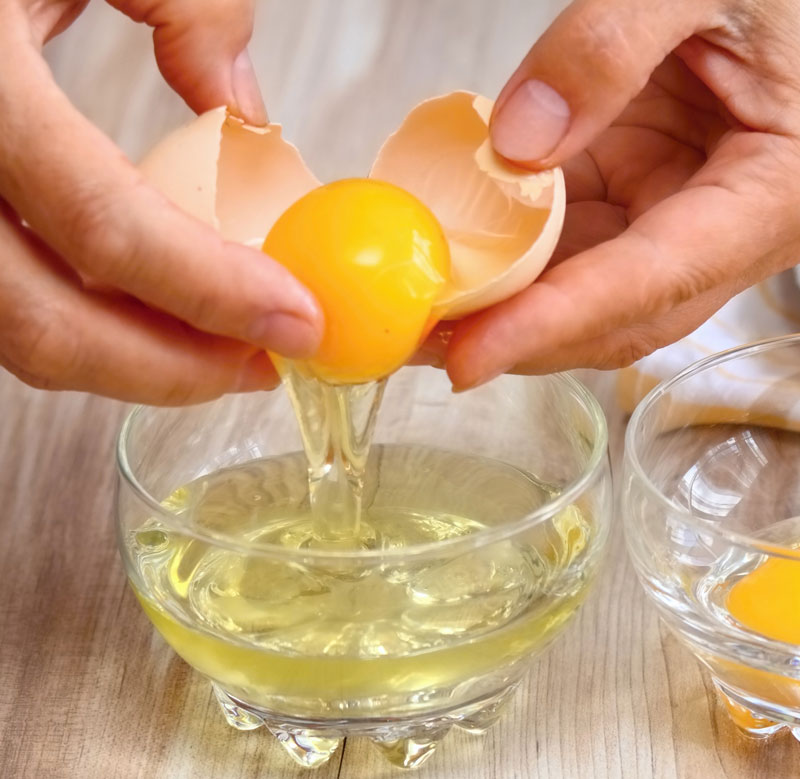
<point x="678" y="125"/>
<point x="105" y="286"/>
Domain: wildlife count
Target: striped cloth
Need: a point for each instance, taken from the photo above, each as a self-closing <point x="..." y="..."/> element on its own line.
<point x="764" y="391"/>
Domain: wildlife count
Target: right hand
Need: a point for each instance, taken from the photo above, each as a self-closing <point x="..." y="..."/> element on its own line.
<point x="105" y="286"/>
<point x="678" y="126"/>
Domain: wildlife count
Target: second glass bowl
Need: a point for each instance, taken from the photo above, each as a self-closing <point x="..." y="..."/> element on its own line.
<point x="711" y="500"/>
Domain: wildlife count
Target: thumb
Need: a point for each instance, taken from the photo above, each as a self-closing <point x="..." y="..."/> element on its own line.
<point x="584" y="70"/>
<point x="201" y="50"/>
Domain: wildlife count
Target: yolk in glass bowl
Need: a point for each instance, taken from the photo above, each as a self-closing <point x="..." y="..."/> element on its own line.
<point x="767" y="600"/>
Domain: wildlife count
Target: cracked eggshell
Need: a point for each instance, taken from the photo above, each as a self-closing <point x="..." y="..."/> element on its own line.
<point x="235" y="177"/>
<point x="502" y="222"/>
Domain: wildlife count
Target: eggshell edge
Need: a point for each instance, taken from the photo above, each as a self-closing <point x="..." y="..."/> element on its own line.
<point x="198" y="167"/>
<point x="259" y="175"/>
<point x="183" y="165"/>
<point x="521" y="273"/>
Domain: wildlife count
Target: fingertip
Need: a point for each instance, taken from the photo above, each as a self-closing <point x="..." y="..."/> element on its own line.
<point x="530" y="124"/>
<point x="246" y="91"/>
<point x="201" y="48"/>
<point x="292" y="321"/>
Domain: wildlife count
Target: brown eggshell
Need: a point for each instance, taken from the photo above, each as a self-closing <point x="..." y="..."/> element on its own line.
<point x="235" y="177"/>
<point x="183" y="165"/>
<point x="502" y="222"/>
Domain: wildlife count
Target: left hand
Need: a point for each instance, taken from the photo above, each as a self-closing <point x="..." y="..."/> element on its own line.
<point x="105" y="285"/>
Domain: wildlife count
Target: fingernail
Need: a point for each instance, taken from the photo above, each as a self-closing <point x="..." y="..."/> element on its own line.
<point x="286" y="334"/>
<point x="257" y="373"/>
<point x="246" y="92"/>
<point x="531" y="123"/>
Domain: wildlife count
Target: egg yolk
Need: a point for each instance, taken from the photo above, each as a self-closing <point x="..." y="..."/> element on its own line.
<point x="375" y="258"/>
<point x="767" y="600"/>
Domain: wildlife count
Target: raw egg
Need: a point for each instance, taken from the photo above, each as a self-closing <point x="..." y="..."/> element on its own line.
<point x="375" y="253"/>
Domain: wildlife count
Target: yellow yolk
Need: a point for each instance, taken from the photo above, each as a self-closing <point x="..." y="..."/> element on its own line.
<point x="375" y="258"/>
<point x="767" y="600"/>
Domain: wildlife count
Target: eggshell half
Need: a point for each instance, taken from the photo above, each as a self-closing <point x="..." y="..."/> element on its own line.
<point x="233" y="176"/>
<point x="502" y="222"/>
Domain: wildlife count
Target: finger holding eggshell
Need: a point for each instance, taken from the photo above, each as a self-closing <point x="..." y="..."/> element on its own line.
<point x="200" y="46"/>
<point x="692" y="157"/>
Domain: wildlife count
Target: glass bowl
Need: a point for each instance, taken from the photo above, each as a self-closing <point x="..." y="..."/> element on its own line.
<point x="485" y="514"/>
<point x="711" y="504"/>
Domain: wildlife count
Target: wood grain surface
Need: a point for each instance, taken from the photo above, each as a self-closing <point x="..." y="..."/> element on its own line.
<point x="86" y="687"/>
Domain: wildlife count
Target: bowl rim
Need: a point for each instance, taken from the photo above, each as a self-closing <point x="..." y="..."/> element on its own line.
<point x="596" y="464"/>
<point x="632" y="460"/>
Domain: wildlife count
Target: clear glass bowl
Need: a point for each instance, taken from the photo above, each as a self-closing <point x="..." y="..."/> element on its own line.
<point x="711" y="501"/>
<point x="507" y="489"/>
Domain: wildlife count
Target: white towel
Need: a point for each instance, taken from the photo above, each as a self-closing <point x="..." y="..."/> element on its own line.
<point x="760" y="391"/>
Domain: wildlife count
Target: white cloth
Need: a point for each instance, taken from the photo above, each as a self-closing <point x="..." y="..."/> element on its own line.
<point x="764" y="390"/>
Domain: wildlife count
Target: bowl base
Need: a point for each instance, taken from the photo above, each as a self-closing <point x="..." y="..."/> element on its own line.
<point x="406" y="743"/>
<point x="755" y="718"/>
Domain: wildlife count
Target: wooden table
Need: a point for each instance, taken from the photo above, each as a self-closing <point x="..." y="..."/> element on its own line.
<point x="86" y="688"/>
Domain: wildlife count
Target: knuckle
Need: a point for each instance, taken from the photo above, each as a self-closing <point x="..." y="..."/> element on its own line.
<point x="37" y="382"/>
<point x="223" y="11"/>
<point x="221" y="22"/>
<point x="179" y="393"/>
<point x="102" y="245"/>
<point x="632" y="347"/>
<point x="220" y="14"/>
<point x="601" y="34"/>
<point x="43" y="348"/>
<point x="689" y="282"/>
<point x="664" y="281"/>
<point x="205" y="307"/>
<point x="112" y="248"/>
